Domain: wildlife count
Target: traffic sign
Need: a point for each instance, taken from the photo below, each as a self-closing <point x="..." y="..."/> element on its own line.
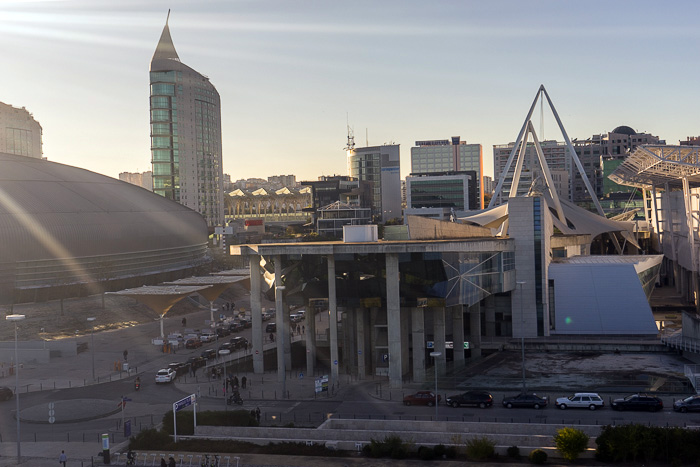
<point x="182" y="403"/>
<point x="52" y="419"/>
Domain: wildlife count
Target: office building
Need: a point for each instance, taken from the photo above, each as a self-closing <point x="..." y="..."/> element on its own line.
<point x="20" y="134"/>
<point x="445" y="194"/>
<point x="454" y="155"/>
<point x="185" y="134"/>
<point x="380" y="166"/>
<point x="142" y="179"/>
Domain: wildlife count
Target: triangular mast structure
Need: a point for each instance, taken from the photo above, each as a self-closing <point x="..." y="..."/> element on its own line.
<point x="527" y="130"/>
<point x="165" y="49"/>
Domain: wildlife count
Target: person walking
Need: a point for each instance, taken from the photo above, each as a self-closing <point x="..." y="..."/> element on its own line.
<point x="126" y="354"/>
<point x="244" y="380"/>
<point x="171" y="462"/>
<point x="163" y="463"/>
<point x="62" y="459"/>
<point x="257" y="413"/>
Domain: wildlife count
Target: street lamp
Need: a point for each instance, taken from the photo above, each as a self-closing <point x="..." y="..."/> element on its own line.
<point x="522" y="329"/>
<point x="92" y="344"/>
<point x="15" y="318"/>
<point x="284" y="330"/>
<point x="435" y="355"/>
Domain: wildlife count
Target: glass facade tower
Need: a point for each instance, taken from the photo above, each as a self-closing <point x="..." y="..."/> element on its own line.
<point x="185" y="134"/>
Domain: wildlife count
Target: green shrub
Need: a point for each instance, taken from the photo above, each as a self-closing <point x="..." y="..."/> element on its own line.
<point x="150" y="439"/>
<point x="514" y="452"/>
<point x="392" y="446"/>
<point x="640" y="443"/>
<point x="571" y="442"/>
<point x="481" y="448"/>
<point x="185" y="420"/>
<point x="538" y="456"/>
<point x="425" y="453"/>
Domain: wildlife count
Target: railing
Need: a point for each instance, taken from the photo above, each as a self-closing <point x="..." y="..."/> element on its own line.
<point x="692" y="372"/>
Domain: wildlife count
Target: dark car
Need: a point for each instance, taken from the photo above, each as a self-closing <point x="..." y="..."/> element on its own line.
<point x="181" y="368"/>
<point x="193" y="343"/>
<point x="196" y="362"/>
<point x="689" y="404"/>
<point x="525" y="400"/>
<point x="271" y="327"/>
<point x="225" y="348"/>
<point x="476" y="398"/>
<point x="638" y="402"/>
<point x="209" y="353"/>
<point x="245" y="322"/>
<point x="5" y="393"/>
<point x="235" y="326"/>
<point x="223" y="331"/>
<point x="421" y="398"/>
<point x="239" y="342"/>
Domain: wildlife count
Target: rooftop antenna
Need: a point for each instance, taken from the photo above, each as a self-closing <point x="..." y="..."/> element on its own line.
<point x="351" y="135"/>
<point x="168" y="17"/>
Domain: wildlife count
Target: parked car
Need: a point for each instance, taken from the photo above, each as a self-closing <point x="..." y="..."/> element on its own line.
<point x="245" y="322"/>
<point x="421" y="398"/>
<point x="222" y="331"/>
<point x="166" y="375"/>
<point x="6" y="393"/>
<point x="525" y="400"/>
<point x="689" y="404"/>
<point x="235" y="326"/>
<point x="181" y="368"/>
<point x="476" y="398"/>
<point x="238" y="342"/>
<point x="196" y="362"/>
<point x="296" y="318"/>
<point x="209" y="354"/>
<point x="638" y="402"/>
<point x="193" y="343"/>
<point x="225" y="348"/>
<point x="266" y="316"/>
<point x="208" y="336"/>
<point x="581" y="400"/>
<point x="271" y="327"/>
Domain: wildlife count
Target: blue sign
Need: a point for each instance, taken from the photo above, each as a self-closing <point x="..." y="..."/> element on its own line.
<point x="182" y="403"/>
<point x="335" y="362"/>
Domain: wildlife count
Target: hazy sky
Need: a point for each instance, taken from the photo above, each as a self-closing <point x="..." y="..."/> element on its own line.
<point x="289" y="72"/>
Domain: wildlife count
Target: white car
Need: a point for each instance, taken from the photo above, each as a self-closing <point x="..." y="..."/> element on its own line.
<point x="581" y="400"/>
<point x="208" y="336"/>
<point x="166" y="375"/>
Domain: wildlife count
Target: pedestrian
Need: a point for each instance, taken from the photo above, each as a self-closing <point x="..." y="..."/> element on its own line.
<point x="272" y="337"/>
<point x="213" y="372"/>
<point x="163" y="463"/>
<point x="171" y="462"/>
<point x="234" y="383"/>
<point x="184" y="322"/>
<point x="62" y="459"/>
<point x="257" y="413"/>
<point x="298" y="328"/>
<point x="219" y="372"/>
<point x="126" y="354"/>
<point x="303" y="329"/>
<point x="244" y="380"/>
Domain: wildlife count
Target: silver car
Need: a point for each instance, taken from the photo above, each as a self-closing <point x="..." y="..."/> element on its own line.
<point x="581" y="400"/>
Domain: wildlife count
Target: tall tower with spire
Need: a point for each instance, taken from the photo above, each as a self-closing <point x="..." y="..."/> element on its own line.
<point x="185" y="134"/>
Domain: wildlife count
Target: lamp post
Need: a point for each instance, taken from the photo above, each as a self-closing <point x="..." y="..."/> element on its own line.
<point x="91" y="320"/>
<point x="283" y="330"/>
<point x="522" y="329"/>
<point x="15" y="319"/>
<point x="435" y="355"/>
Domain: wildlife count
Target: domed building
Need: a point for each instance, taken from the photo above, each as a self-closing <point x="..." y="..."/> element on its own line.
<point x="68" y="232"/>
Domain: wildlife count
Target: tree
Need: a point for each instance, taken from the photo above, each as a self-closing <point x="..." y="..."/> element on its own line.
<point x="571" y="442"/>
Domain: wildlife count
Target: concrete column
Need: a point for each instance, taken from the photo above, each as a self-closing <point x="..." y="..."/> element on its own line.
<point x="439" y="337"/>
<point x="475" y="330"/>
<point x="333" y="319"/>
<point x="256" y="316"/>
<point x="373" y="312"/>
<point x="418" y="328"/>
<point x="490" y="316"/>
<point x="393" y="312"/>
<point x="349" y="353"/>
<point x="360" y="337"/>
<point x="282" y="330"/>
<point x="405" y="349"/>
<point x="458" y="335"/>
<point x="310" y="323"/>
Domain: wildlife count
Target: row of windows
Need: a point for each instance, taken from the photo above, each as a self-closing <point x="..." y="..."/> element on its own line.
<point x="165" y="76"/>
<point x="162" y="89"/>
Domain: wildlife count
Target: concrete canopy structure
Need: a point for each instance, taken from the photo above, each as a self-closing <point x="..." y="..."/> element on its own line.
<point x="67" y="231"/>
<point x="159" y="298"/>
<point x="217" y="284"/>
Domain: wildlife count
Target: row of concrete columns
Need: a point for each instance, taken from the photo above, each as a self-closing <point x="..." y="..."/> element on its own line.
<point x="356" y="326"/>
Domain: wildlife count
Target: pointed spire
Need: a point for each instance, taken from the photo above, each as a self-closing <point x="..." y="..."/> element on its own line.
<point x="165" y="49"/>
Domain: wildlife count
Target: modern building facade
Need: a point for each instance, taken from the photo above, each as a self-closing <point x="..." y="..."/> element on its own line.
<point x="333" y="217"/>
<point x="185" y="134"/>
<point x="450" y="191"/>
<point x="453" y="155"/>
<point x="20" y="134"/>
<point x="380" y="166"/>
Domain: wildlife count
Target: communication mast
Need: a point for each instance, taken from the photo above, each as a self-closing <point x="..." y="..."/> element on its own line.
<point x="351" y="138"/>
